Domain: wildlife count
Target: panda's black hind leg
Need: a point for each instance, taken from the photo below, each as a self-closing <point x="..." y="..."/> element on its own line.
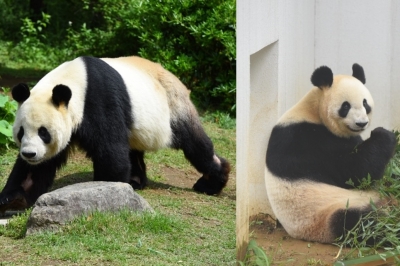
<point x="215" y="180"/>
<point x="360" y="221"/>
<point x="138" y="178"/>
<point x="199" y="150"/>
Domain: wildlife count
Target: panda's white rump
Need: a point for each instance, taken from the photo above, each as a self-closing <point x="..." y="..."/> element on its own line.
<point x="305" y="208"/>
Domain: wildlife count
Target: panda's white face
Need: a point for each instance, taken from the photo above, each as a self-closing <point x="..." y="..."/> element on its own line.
<point x="346" y="107"/>
<point x="41" y="130"/>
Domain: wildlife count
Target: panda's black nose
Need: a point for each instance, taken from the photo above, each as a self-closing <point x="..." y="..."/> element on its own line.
<point x="362" y="124"/>
<point x="29" y="154"/>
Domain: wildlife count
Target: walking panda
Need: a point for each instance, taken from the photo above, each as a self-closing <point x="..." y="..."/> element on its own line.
<point x="315" y="148"/>
<point x="115" y="109"/>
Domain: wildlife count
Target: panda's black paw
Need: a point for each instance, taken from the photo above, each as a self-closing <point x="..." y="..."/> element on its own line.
<point x="386" y="138"/>
<point x="138" y="183"/>
<point x="216" y="180"/>
<point x="13" y="200"/>
<point x="204" y="185"/>
<point x="380" y="132"/>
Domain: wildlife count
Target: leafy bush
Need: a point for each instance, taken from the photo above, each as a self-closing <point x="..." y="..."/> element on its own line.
<point x="7" y="116"/>
<point x="195" y="40"/>
<point x="11" y="13"/>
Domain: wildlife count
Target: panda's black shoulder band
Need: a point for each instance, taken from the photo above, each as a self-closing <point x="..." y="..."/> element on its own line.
<point x="358" y="73"/>
<point x="322" y="77"/>
<point x="61" y="94"/>
<point x="20" y="92"/>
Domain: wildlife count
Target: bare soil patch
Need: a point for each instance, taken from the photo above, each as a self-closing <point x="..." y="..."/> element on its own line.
<point x="285" y="250"/>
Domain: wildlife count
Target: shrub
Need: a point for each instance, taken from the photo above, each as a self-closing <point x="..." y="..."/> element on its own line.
<point x="7" y="116"/>
<point x="195" y="40"/>
<point x="11" y="13"/>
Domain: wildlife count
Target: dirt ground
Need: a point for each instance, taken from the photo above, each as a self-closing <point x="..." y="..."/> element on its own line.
<point x="284" y="250"/>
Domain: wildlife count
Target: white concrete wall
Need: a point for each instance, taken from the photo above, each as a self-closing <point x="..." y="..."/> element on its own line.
<point x="249" y="105"/>
<point x="366" y="32"/>
<point x="279" y="44"/>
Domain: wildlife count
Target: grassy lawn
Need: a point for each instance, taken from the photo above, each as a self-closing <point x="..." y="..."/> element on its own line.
<point x="187" y="229"/>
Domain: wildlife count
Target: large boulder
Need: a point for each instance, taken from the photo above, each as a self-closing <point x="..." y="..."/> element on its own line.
<point x="65" y="204"/>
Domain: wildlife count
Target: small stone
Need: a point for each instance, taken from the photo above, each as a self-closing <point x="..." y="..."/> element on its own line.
<point x="60" y="206"/>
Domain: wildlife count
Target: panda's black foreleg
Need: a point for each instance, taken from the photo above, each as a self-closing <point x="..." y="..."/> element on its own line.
<point x="27" y="183"/>
<point x="199" y="150"/>
<point x="372" y="155"/>
<point x="138" y="178"/>
<point x="112" y="163"/>
<point x="13" y="195"/>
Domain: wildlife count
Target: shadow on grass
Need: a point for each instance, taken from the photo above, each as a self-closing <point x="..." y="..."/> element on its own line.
<point x="88" y="176"/>
<point x="10" y="77"/>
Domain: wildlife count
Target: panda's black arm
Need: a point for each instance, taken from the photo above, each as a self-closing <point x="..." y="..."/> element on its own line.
<point x="13" y="195"/>
<point x="18" y="174"/>
<point x="27" y="183"/>
<point x="43" y="174"/>
<point x="372" y="155"/>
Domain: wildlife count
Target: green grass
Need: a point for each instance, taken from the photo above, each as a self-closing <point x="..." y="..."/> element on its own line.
<point x="187" y="228"/>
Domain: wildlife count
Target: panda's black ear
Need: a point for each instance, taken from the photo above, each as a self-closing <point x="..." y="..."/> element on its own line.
<point x="61" y="95"/>
<point x="20" y="92"/>
<point x="358" y="73"/>
<point x="322" y="77"/>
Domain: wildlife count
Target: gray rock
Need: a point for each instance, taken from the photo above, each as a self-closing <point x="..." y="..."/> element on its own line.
<point x="65" y="204"/>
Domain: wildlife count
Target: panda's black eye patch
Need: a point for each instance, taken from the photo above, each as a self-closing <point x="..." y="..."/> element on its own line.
<point x="366" y="106"/>
<point x="20" y="134"/>
<point x="344" y="109"/>
<point x="44" y="135"/>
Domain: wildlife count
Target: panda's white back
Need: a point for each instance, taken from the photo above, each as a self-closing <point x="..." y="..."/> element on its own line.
<point x="151" y="128"/>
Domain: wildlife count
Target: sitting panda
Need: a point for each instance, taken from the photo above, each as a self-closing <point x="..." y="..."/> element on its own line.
<point x="315" y="148"/>
<point x="115" y="109"/>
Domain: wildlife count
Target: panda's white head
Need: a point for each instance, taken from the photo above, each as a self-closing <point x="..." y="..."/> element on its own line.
<point x="42" y="126"/>
<point x="346" y="105"/>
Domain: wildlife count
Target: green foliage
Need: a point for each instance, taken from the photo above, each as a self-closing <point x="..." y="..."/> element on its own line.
<point x="7" y="116"/>
<point x="255" y="256"/>
<point x="222" y="119"/>
<point x="11" y="13"/>
<point x="16" y="226"/>
<point x="34" y="49"/>
<point x="195" y="40"/>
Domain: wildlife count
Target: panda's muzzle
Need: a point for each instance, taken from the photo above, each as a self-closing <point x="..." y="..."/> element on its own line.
<point x="361" y="126"/>
<point x="28" y="155"/>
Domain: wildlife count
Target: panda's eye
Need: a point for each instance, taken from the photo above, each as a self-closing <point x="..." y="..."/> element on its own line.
<point x="44" y="135"/>
<point x="344" y="109"/>
<point x="366" y="106"/>
<point x="20" y="134"/>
